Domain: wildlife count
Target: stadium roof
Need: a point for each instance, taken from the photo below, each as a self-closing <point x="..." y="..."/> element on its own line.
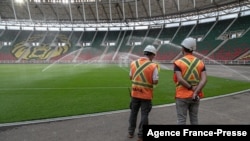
<point x="99" y="11"/>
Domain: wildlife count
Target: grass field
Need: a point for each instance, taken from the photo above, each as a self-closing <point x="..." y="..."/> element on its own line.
<point x="35" y="91"/>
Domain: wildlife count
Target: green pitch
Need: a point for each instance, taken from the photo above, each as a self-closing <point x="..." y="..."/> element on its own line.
<point x="32" y="91"/>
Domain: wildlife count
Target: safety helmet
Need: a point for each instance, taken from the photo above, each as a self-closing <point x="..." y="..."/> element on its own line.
<point x="189" y="43"/>
<point x="150" y="48"/>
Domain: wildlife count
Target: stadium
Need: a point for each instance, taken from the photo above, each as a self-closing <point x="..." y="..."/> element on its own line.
<point x="65" y="63"/>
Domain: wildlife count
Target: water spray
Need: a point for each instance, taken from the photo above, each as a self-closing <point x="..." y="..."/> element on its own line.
<point x="216" y="62"/>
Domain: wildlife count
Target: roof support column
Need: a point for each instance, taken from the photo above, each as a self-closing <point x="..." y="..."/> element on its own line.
<point x="163" y="7"/>
<point x="83" y="11"/>
<point x="110" y="11"/>
<point x="178" y="5"/>
<point x="28" y="7"/>
<point x="123" y="10"/>
<point x="14" y="10"/>
<point x="136" y="9"/>
<point x="96" y="9"/>
<point x="149" y="8"/>
<point x="70" y="11"/>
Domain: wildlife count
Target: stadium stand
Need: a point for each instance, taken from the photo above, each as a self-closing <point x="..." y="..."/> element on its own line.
<point x="221" y="39"/>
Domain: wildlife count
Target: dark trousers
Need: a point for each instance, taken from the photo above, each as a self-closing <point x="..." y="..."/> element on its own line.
<point x="135" y="105"/>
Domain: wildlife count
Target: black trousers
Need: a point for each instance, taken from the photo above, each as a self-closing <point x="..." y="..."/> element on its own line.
<point x="135" y="105"/>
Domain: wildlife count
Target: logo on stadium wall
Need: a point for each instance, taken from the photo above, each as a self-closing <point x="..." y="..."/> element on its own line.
<point x="25" y="49"/>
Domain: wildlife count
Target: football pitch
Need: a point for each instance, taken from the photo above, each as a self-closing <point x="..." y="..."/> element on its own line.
<point x="42" y="91"/>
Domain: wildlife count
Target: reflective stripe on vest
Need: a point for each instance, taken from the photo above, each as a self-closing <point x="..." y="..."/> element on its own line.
<point x="139" y="72"/>
<point x="192" y="71"/>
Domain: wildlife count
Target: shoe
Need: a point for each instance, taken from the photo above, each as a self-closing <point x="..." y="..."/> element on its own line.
<point x="130" y="135"/>
<point x="139" y="139"/>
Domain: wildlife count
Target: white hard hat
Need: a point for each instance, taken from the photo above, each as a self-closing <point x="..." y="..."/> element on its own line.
<point x="189" y="43"/>
<point x="150" y="48"/>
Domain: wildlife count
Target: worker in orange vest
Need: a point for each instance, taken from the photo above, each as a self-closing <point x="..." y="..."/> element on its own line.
<point x="190" y="78"/>
<point x="144" y="75"/>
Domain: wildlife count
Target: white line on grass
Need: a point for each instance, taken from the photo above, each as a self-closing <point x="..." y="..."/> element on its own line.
<point x="80" y="88"/>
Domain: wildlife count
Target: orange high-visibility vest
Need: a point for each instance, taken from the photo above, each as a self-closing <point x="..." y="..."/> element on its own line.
<point x="191" y="68"/>
<point x="142" y="78"/>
